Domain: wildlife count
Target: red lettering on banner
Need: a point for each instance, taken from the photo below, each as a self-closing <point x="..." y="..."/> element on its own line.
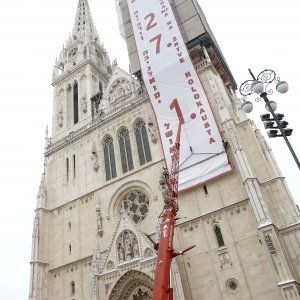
<point x="169" y="133"/>
<point x="157" y="95"/>
<point x="211" y="140"/>
<point x="151" y="80"/>
<point x="188" y="74"/>
<point x="167" y="125"/>
<point x="172" y="149"/>
<point x="170" y="25"/>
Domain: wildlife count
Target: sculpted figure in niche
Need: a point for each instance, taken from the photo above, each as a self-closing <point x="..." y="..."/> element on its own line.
<point x="121" y="253"/>
<point x="84" y="104"/>
<point x="110" y="265"/>
<point x="152" y="130"/>
<point x="128" y="247"/>
<point x="94" y="158"/>
<point x="60" y="118"/>
<point x="135" y="247"/>
<point x="148" y="253"/>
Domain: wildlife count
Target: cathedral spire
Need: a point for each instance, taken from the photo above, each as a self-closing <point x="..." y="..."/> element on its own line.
<point x="84" y="27"/>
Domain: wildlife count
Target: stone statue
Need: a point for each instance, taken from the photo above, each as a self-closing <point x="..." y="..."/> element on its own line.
<point x="121" y="253"/>
<point x="84" y="104"/>
<point x="128" y="247"/>
<point x="135" y="247"/>
<point x="152" y="130"/>
<point x="60" y="118"/>
<point x="94" y="158"/>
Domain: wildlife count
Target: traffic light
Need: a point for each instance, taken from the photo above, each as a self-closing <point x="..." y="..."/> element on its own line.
<point x="281" y="124"/>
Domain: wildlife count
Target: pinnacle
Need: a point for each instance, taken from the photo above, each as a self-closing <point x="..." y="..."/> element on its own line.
<point x="84" y="26"/>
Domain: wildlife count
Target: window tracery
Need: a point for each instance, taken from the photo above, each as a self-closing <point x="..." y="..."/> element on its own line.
<point x="127" y="246"/>
<point x="136" y="204"/>
<point x="109" y="158"/>
<point x="125" y="150"/>
<point x="142" y="142"/>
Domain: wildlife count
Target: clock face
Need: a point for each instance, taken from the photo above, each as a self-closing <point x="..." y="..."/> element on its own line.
<point x="73" y="52"/>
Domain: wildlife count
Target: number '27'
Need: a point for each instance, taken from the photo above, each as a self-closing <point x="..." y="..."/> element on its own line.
<point x="151" y="24"/>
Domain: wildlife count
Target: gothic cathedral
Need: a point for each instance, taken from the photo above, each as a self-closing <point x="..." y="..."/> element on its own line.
<point x="101" y="194"/>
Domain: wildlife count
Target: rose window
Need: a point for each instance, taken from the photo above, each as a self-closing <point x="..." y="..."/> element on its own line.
<point x="136" y="204"/>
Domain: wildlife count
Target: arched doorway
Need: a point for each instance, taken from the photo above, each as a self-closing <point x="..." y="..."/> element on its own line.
<point x="133" y="285"/>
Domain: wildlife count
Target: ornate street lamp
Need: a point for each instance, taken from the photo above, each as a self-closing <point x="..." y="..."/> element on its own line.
<point x="260" y="87"/>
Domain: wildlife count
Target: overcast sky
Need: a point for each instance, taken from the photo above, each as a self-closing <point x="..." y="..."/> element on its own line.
<point x="256" y="34"/>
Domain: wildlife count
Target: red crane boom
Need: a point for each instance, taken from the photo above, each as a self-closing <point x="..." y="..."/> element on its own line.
<point x="161" y="287"/>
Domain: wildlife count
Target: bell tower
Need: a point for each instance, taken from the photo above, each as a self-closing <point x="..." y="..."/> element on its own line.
<point x="81" y="71"/>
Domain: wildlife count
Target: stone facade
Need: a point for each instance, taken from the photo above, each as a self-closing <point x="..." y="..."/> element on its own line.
<point x="100" y="198"/>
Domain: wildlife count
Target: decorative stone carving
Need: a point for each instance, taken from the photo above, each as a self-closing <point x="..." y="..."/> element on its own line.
<point x="148" y="253"/>
<point x="135" y="248"/>
<point x="110" y="265"/>
<point x="220" y="102"/>
<point x="60" y="118"/>
<point x="141" y="293"/>
<point x="234" y="140"/>
<point x="270" y="245"/>
<point x="84" y="104"/>
<point x="120" y="89"/>
<point x="191" y="226"/>
<point x="127" y="246"/>
<point x="99" y="219"/>
<point x="224" y="257"/>
<point x="152" y="130"/>
<point x="94" y="158"/>
<point x="107" y="286"/>
<point x="121" y="254"/>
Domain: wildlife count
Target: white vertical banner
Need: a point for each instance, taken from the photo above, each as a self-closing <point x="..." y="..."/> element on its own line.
<point x="176" y="93"/>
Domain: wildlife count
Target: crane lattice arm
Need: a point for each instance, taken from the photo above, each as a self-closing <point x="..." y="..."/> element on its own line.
<point x="161" y="288"/>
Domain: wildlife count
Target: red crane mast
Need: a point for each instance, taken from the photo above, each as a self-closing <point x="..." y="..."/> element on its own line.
<point x="166" y="252"/>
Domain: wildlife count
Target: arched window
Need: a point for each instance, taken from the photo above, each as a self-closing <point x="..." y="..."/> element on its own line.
<point x="125" y="150"/>
<point x="67" y="169"/>
<point x="72" y="288"/>
<point x="109" y="158"/>
<point x="100" y="87"/>
<point x="75" y="102"/>
<point x="219" y="236"/>
<point x="142" y="142"/>
<point x="74" y="165"/>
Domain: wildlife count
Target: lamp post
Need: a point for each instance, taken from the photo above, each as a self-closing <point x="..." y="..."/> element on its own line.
<point x="260" y="85"/>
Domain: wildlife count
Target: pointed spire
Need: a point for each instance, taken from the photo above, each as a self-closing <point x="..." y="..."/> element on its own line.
<point x="84" y="27"/>
<point x="42" y="195"/>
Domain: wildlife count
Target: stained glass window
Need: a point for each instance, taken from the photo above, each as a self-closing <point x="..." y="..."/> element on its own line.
<point x="136" y="204"/>
<point x="125" y="150"/>
<point x="142" y="142"/>
<point x="109" y="158"/>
